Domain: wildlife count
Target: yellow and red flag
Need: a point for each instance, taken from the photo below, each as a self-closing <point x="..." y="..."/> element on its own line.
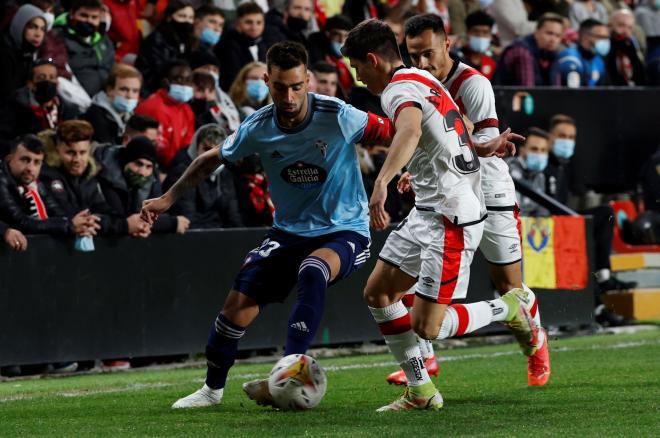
<point x="554" y="252"/>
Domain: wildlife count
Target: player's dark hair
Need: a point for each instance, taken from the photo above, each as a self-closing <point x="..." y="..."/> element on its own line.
<point x="248" y="9"/>
<point x="324" y="67"/>
<point x="537" y="132"/>
<point x="588" y="24"/>
<point x="89" y="4"/>
<point x="558" y="119"/>
<point x="371" y="36"/>
<point x="419" y="24"/>
<point x="206" y="10"/>
<point x="286" y="55"/>
<point x="341" y="22"/>
<point x="549" y="17"/>
<point x="478" y="18"/>
<point x="30" y="142"/>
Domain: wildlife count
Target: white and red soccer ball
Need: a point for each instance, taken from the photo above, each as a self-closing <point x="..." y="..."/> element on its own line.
<point x="297" y="382"/>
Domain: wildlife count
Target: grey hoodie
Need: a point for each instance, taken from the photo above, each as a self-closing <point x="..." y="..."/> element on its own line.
<point x="101" y="99"/>
<point x="24" y="14"/>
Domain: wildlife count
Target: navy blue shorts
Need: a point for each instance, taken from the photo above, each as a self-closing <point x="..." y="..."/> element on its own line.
<point x="270" y="271"/>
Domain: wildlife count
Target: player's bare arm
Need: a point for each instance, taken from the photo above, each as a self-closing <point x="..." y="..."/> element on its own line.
<point x="408" y="131"/>
<point x="500" y="146"/>
<point x="200" y="169"/>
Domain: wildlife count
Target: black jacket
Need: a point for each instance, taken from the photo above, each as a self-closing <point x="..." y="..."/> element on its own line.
<point x="233" y="51"/>
<point x="17" y="118"/>
<point x="213" y="203"/>
<point x="124" y="202"/>
<point x="276" y="31"/>
<point x="74" y="194"/>
<point x="624" y="47"/>
<point x="106" y="129"/>
<point x="14" y="209"/>
<point x="161" y="47"/>
<point x="16" y="66"/>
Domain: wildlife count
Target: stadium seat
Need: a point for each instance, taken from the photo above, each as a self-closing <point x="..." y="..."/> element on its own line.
<point x="626" y="210"/>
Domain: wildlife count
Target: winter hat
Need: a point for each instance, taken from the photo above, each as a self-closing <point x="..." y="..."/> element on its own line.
<point x="23" y="16"/>
<point x="138" y="147"/>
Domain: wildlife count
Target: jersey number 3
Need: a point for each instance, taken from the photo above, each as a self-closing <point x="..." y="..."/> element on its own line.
<point x="467" y="161"/>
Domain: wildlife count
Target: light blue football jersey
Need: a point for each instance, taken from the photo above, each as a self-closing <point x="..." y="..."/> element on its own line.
<point x="313" y="170"/>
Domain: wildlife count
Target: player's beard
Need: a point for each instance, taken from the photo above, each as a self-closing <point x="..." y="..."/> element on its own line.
<point x="291" y="114"/>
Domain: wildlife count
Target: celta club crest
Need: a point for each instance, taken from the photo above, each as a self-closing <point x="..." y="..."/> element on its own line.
<point x="322" y="147"/>
<point x="538" y="235"/>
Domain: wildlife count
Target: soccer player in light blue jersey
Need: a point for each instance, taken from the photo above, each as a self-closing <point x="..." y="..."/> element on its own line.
<point x="320" y="232"/>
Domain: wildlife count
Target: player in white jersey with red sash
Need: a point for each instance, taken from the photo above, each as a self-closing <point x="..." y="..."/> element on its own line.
<point x="428" y="46"/>
<point x="433" y="247"/>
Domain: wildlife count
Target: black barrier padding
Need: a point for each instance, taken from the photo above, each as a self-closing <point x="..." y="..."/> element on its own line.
<point x="159" y="296"/>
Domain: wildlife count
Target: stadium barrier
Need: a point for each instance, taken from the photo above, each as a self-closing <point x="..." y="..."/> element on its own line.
<point x="159" y="296"/>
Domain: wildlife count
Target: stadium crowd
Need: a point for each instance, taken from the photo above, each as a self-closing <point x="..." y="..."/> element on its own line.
<point x="104" y="103"/>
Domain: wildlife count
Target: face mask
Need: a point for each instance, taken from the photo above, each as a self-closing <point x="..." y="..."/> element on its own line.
<point x="209" y="37"/>
<point x="485" y="3"/>
<point x="181" y="93"/>
<point x="182" y="30"/>
<point x="602" y="47"/>
<point x="336" y="48"/>
<point x="50" y="19"/>
<point x="44" y="91"/>
<point x="84" y="29"/>
<point x="257" y="89"/>
<point x="84" y="244"/>
<point x="657" y="4"/>
<point x="296" y="24"/>
<point x="479" y="44"/>
<point x="135" y="180"/>
<point x="563" y="147"/>
<point x="536" y="162"/>
<point x="124" y="105"/>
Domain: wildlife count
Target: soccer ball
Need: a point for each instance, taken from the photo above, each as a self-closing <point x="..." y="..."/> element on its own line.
<point x="297" y="382"/>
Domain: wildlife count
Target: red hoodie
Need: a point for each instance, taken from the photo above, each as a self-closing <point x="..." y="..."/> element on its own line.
<point x="177" y="123"/>
<point x="124" y="30"/>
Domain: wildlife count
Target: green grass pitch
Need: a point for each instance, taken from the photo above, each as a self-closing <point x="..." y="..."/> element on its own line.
<point x="607" y="385"/>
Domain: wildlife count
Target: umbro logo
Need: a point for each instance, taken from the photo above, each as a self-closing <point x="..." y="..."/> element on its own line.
<point x="300" y="326"/>
<point x="276" y="155"/>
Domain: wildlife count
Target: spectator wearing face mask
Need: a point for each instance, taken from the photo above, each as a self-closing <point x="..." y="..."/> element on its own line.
<point x="249" y="90"/>
<point x="583" y="64"/>
<point x="36" y="106"/>
<point x="169" y="106"/>
<point x="528" y="166"/>
<point x="26" y="204"/>
<point x="127" y="178"/>
<point x="227" y="114"/>
<point x="624" y="62"/>
<point x="112" y="108"/>
<point x="531" y="61"/>
<point x="208" y="26"/>
<point x="290" y="25"/>
<point x="213" y="203"/>
<point x="172" y="40"/>
<point x="325" y="46"/>
<point x="204" y="103"/>
<point x="123" y="29"/>
<point x="79" y="40"/>
<point x="19" y="47"/>
<point x="243" y="44"/>
<point x="477" y="51"/>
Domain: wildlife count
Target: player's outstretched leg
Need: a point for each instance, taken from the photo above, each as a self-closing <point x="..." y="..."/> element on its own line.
<point x="221" y="350"/>
<point x="425" y="346"/>
<point x="393" y="319"/>
<point x="313" y="277"/>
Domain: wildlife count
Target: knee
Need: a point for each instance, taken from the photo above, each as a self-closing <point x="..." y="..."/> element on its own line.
<point x="371" y="296"/>
<point x="425" y="330"/>
<point x="314" y="269"/>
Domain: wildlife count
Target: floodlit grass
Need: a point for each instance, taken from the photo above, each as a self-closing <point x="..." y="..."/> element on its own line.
<point x="607" y="385"/>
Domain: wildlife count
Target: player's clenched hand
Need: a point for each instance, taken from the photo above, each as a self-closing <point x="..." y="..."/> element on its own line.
<point x="152" y="208"/>
<point x="378" y="216"/>
<point x="500" y="146"/>
<point x="404" y="185"/>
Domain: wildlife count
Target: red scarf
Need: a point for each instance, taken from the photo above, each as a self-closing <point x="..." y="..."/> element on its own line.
<point x="37" y="206"/>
